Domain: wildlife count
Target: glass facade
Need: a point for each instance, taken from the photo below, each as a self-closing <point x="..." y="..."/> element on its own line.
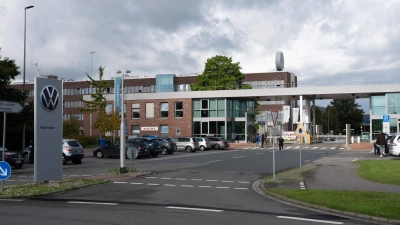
<point x="378" y="105"/>
<point x="393" y="103"/>
<point x="165" y="82"/>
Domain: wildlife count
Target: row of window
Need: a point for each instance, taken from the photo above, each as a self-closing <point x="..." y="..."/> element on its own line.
<point x="149" y="110"/>
<point x="71" y="116"/>
<point x="74" y="104"/>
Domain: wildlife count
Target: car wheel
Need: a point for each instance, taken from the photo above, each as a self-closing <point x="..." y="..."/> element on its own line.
<point x="26" y="158"/>
<point x="217" y="147"/>
<point x="77" y="161"/>
<point x="164" y="151"/>
<point x="18" y="166"/>
<point x="64" y="160"/>
<point x="99" y="154"/>
<point x="188" y="149"/>
<point x="202" y="148"/>
<point x="154" y="154"/>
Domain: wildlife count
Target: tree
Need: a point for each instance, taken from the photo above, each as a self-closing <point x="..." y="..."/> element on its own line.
<point x="220" y="74"/>
<point x="348" y="112"/>
<point x="98" y="102"/>
<point x="71" y="128"/>
<point x="15" y="121"/>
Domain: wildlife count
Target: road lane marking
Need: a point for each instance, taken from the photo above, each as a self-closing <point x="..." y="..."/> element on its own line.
<point x="304" y="219"/>
<point x="323" y="148"/>
<point x="151" y="177"/>
<point x="196" y="179"/>
<point x="166" y="178"/>
<point x="170" y="185"/>
<point x="86" y="175"/>
<point x="12" y="200"/>
<point x="180" y="179"/>
<point x="186" y="185"/>
<point x="227" y="181"/>
<point x="93" y="203"/>
<point x="197" y="209"/>
<point x="204" y="186"/>
<point x="333" y="148"/>
<point x="355" y="159"/>
<point x="211" y="180"/>
<point x="136" y="183"/>
<point x="243" y="182"/>
<point x="152" y="184"/>
<point x="240" y="188"/>
<point x="117" y="182"/>
<point x="302" y="186"/>
<point x="223" y="187"/>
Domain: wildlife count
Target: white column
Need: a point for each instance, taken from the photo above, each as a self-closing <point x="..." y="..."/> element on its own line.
<point x="301" y="108"/>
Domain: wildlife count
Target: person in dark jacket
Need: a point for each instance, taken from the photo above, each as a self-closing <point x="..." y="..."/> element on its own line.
<point x="262" y="140"/>
<point x="381" y="142"/>
<point x="280" y="141"/>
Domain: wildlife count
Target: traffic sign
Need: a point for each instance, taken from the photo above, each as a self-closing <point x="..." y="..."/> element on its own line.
<point x="386" y="118"/>
<point x="300" y="131"/>
<point x="10" y="107"/>
<point x="5" y="170"/>
<point x="132" y="153"/>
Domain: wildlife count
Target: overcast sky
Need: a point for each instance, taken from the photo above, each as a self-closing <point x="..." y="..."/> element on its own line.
<point x="321" y="40"/>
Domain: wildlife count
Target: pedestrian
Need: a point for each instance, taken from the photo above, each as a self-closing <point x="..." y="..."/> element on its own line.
<point x="257" y="140"/>
<point x="237" y="138"/>
<point x="262" y="140"/>
<point x="381" y="142"/>
<point x="280" y="141"/>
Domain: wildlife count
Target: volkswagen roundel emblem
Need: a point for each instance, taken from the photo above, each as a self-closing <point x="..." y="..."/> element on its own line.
<point x="49" y="98"/>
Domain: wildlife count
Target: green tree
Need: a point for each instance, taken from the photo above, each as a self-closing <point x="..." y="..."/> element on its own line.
<point x="220" y="73"/>
<point x="348" y="112"/>
<point x="15" y="121"/>
<point x="71" y="128"/>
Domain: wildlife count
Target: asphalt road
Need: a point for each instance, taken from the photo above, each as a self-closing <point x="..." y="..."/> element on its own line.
<point x="213" y="187"/>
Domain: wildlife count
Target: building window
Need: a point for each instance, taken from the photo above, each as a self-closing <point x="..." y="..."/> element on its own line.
<point x="135" y="129"/>
<point x="164" y="131"/>
<point x="135" y="111"/>
<point x="164" y="110"/>
<point x="109" y="108"/>
<point x="178" y="109"/>
<point x="149" y="110"/>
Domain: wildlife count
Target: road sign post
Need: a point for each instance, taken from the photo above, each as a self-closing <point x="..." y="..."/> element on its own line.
<point x="386" y="124"/>
<point x="5" y="171"/>
<point x="300" y="132"/>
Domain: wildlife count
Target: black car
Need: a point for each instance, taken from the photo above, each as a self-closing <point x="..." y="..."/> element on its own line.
<point x="167" y="146"/>
<point x="13" y="159"/>
<point x="112" y="149"/>
<point x="154" y="145"/>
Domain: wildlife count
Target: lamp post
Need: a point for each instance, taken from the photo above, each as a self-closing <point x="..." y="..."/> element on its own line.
<point x="90" y="115"/>
<point x="23" y="86"/>
<point x="122" y="130"/>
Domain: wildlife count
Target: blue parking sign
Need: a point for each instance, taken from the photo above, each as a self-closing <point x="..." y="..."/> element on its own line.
<point x="5" y="170"/>
<point x="386" y="118"/>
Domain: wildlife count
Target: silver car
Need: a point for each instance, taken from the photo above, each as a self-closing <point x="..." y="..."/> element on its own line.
<point x="204" y="143"/>
<point x="72" y="151"/>
<point x="189" y="144"/>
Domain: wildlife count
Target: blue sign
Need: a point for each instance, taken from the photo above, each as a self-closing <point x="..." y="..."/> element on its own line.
<point x="386" y="118"/>
<point x="117" y="99"/>
<point x="5" y="170"/>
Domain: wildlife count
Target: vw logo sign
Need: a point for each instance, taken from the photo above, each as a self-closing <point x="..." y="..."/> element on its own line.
<point x="49" y="98"/>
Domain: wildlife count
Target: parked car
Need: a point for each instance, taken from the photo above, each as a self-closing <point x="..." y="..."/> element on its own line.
<point x="154" y="145"/>
<point x="13" y="159"/>
<point x="394" y="145"/>
<point x="113" y="149"/>
<point x="167" y="147"/>
<point x="218" y="143"/>
<point x="189" y="144"/>
<point x="204" y="143"/>
<point x="72" y="150"/>
<point x="329" y="137"/>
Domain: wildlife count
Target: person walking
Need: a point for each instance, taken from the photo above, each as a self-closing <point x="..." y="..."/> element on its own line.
<point x="262" y="140"/>
<point x="257" y="141"/>
<point x="381" y="142"/>
<point x="280" y="141"/>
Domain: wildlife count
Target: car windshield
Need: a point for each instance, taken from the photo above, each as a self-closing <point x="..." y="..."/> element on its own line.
<point x="73" y="143"/>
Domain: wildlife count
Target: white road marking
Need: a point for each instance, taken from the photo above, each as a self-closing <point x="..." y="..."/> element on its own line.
<point x="211" y="180"/>
<point x="93" y="203"/>
<point x="314" y="147"/>
<point x="170" y="185"/>
<point x="323" y="148"/>
<point x="333" y="148"/>
<point x="12" y="200"/>
<point x="196" y="179"/>
<point x="204" y="186"/>
<point x="165" y="178"/>
<point x="116" y="182"/>
<point x="341" y="148"/>
<point x="240" y="188"/>
<point x="86" y="175"/>
<point x="153" y="184"/>
<point x="227" y="181"/>
<point x="151" y="177"/>
<point x="302" y="186"/>
<point x="136" y="183"/>
<point x="304" y="219"/>
<point x="180" y="179"/>
<point x="187" y="186"/>
<point x="223" y="187"/>
<point x="198" y="209"/>
<point x="243" y="182"/>
<point x="355" y="160"/>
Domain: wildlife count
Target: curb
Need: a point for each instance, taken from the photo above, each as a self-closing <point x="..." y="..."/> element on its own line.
<point x="259" y="188"/>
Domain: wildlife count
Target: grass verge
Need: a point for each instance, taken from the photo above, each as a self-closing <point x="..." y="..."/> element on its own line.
<point x="379" y="204"/>
<point x="37" y="189"/>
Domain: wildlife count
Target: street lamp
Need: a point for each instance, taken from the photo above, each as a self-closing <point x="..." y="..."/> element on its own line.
<point x="23" y="86"/>
<point x="90" y="115"/>
<point x="122" y="130"/>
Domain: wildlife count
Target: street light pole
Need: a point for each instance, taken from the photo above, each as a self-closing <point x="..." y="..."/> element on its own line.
<point x="122" y="130"/>
<point x="23" y="86"/>
<point x="90" y="115"/>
